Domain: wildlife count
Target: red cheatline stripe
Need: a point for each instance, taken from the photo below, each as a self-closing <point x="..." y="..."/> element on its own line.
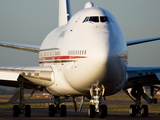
<point x="61" y="57"/>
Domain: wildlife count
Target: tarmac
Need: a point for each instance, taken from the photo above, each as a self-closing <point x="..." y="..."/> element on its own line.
<point x="42" y="113"/>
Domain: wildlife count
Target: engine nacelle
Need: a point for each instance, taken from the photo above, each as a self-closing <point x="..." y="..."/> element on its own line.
<point x="42" y="78"/>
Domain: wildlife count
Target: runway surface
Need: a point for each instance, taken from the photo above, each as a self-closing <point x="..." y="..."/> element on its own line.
<point x="42" y="113"/>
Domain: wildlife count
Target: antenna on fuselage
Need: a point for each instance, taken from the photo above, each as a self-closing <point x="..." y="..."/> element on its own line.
<point x="89" y="5"/>
<point x="64" y="12"/>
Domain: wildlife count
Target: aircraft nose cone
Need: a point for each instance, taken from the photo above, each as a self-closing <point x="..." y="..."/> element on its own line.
<point x="99" y="55"/>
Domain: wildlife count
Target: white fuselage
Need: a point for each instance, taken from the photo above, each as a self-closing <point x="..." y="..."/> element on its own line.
<point x="84" y="52"/>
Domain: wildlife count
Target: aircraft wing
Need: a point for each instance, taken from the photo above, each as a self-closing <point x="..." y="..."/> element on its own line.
<point x="32" y="77"/>
<point x="147" y="76"/>
<point x="133" y="42"/>
<point x="31" y="48"/>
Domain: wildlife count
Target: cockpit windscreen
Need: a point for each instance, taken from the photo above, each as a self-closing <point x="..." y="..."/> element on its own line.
<point x="96" y="19"/>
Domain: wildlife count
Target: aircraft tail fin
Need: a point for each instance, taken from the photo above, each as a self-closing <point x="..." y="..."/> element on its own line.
<point x="64" y="12"/>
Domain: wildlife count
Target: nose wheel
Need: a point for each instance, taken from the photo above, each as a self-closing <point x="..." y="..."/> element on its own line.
<point x="91" y="111"/>
<point x="102" y="111"/>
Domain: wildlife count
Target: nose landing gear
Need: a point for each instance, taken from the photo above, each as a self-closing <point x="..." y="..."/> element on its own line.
<point x="97" y="92"/>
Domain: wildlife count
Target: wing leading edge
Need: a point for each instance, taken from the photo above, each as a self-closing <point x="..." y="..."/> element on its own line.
<point x="133" y="42"/>
<point x="147" y="76"/>
<point x="30" y="48"/>
<point x="31" y="76"/>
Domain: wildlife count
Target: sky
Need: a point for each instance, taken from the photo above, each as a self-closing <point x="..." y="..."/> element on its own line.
<point x="29" y="22"/>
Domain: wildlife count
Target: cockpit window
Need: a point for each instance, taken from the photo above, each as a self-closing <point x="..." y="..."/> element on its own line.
<point x="91" y="19"/>
<point x="96" y="19"/>
<point x="104" y="19"/>
<point x="86" y="19"/>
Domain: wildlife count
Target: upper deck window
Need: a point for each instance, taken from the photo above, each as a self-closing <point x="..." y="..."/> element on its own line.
<point x="104" y="19"/>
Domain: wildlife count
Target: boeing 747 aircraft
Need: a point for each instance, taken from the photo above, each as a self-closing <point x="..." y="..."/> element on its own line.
<point x="85" y="56"/>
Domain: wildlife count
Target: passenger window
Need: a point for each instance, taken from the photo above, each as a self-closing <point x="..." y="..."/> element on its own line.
<point x="104" y="19"/>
